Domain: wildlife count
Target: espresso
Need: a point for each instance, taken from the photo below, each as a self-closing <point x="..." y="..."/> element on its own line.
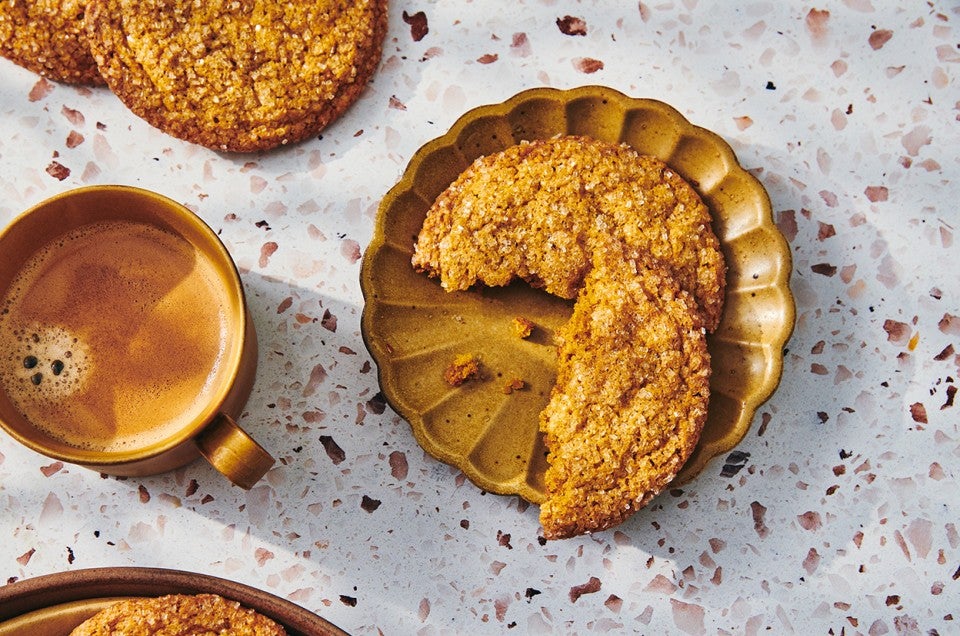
<point x="112" y="336"/>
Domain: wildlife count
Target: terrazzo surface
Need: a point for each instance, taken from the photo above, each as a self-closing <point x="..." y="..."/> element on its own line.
<point x="836" y="514"/>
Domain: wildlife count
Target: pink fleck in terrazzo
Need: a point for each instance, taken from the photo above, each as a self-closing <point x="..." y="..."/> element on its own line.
<point x="58" y="171"/>
<point x="571" y="25"/>
<point x="520" y="45"/>
<point x="418" y="25"/>
<point x="398" y="465"/>
<point x="587" y="65"/>
<point x="590" y="587"/>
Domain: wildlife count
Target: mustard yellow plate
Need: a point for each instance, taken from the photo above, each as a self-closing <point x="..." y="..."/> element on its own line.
<point x="414" y="330"/>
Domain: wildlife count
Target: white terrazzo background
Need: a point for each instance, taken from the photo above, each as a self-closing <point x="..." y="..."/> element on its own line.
<point x="843" y="517"/>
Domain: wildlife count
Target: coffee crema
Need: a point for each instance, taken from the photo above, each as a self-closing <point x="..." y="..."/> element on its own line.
<point x="112" y="336"/>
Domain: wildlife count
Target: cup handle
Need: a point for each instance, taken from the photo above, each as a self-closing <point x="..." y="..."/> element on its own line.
<point x="234" y="453"/>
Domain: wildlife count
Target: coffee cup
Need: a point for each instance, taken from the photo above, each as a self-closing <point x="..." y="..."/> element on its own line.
<point x="126" y="345"/>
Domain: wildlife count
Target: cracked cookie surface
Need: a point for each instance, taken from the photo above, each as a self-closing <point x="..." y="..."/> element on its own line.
<point x="537" y="210"/>
<point x="630" y="400"/>
<point x="48" y="38"/>
<point x="632" y="242"/>
<point x="177" y="614"/>
<point x="237" y="75"/>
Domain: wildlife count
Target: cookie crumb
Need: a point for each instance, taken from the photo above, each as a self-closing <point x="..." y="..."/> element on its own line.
<point x="522" y="327"/>
<point x="464" y="367"/>
<point x="514" y="384"/>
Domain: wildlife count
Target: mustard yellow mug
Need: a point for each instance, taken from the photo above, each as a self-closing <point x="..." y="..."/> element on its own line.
<point x="126" y="345"/>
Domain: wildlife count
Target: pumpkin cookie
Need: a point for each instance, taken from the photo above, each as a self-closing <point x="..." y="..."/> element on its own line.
<point x="632" y="242"/>
<point x="237" y="75"/>
<point x="178" y="614"/>
<point x="48" y="37"/>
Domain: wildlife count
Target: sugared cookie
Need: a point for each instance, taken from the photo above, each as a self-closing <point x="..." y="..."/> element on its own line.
<point x="237" y="75"/>
<point x="630" y="400"/>
<point x="632" y="242"/>
<point x="178" y="614"/>
<point x="48" y="37"/>
<point x="536" y="210"/>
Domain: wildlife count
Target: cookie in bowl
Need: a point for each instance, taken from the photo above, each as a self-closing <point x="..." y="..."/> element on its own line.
<point x="178" y="614"/>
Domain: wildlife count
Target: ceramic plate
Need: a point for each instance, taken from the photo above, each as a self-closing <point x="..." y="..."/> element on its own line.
<point x="414" y="329"/>
<point x="56" y="603"/>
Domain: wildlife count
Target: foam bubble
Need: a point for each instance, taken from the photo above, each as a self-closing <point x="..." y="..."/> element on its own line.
<point x="43" y="365"/>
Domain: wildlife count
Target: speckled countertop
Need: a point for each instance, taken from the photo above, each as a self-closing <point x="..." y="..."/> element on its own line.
<point x="839" y="512"/>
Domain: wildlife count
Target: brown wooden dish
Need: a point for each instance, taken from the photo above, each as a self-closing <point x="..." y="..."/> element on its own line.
<point x="56" y="603"/>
